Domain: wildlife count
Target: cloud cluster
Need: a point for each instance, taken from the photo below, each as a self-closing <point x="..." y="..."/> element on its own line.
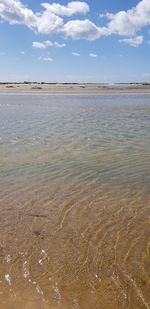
<point x="135" y="42"/>
<point x="131" y="21"/>
<point x="81" y="29"/>
<point x="45" y="22"/>
<point x="43" y="45"/>
<point x="50" y="20"/>
<point x="16" y="13"/>
<point x="72" y="8"/>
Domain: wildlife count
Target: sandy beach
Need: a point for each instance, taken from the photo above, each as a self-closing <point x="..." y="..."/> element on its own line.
<point x="68" y="88"/>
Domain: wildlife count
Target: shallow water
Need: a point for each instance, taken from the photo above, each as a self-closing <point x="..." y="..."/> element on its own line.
<point x="74" y="203"/>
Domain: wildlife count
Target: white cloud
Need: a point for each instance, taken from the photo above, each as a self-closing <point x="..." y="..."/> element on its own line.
<point x="59" y="45"/>
<point x="38" y="45"/>
<point x="48" y="59"/>
<point x="72" y="8"/>
<point x="48" y="43"/>
<point x="22" y="52"/>
<point x="129" y="22"/>
<point x="75" y="54"/>
<point x="81" y="29"/>
<point x="135" y="42"/>
<point x="49" y="19"/>
<point x="16" y="13"/>
<point x="92" y="55"/>
<point x="43" y="45"/>
<point x="48" y="22"/>
<point x="122" y="23"/>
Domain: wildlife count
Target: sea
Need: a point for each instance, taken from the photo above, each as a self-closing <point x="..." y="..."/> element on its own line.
<point x="75" y="201"/>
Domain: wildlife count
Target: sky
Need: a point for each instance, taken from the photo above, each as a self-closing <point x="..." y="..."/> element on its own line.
<point x="75" y="41"/>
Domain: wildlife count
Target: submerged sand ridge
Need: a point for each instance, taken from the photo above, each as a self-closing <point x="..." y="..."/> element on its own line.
<point x="75" y="247"/>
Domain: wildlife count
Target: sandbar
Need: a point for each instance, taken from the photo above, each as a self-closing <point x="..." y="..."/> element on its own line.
<point x="72" y="88"/>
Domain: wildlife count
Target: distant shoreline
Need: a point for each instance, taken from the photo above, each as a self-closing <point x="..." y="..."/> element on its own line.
<point x="73" y="83"/>
<point x="72" y="88"/>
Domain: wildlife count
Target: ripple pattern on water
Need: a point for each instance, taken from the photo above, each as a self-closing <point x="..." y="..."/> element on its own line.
<point x="74" y="202"/>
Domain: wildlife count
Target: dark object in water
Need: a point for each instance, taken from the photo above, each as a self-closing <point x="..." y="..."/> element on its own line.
<point x="38" y="216"/>
<point x="37" y="233"/>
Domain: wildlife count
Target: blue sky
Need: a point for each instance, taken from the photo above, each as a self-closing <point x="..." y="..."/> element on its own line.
<point x="75" y="41"/>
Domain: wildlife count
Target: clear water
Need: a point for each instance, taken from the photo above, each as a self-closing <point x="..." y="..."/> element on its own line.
<point x="74" y="201"/>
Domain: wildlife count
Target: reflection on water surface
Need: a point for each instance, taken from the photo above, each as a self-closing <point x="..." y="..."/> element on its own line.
<point x="74" y="204"/>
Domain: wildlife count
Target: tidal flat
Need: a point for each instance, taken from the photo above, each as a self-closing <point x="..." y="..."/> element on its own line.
<point x="74" y="198"/>
<point x="35" y="88"/>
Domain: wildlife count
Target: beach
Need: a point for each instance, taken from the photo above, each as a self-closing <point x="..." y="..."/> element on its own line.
<point x="74" y="154"/>
<point x="71" y="88"/>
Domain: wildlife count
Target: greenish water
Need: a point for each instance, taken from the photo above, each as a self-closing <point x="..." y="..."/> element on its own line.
<point x="105" y="137"/>
<point x="74" y="204"/>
